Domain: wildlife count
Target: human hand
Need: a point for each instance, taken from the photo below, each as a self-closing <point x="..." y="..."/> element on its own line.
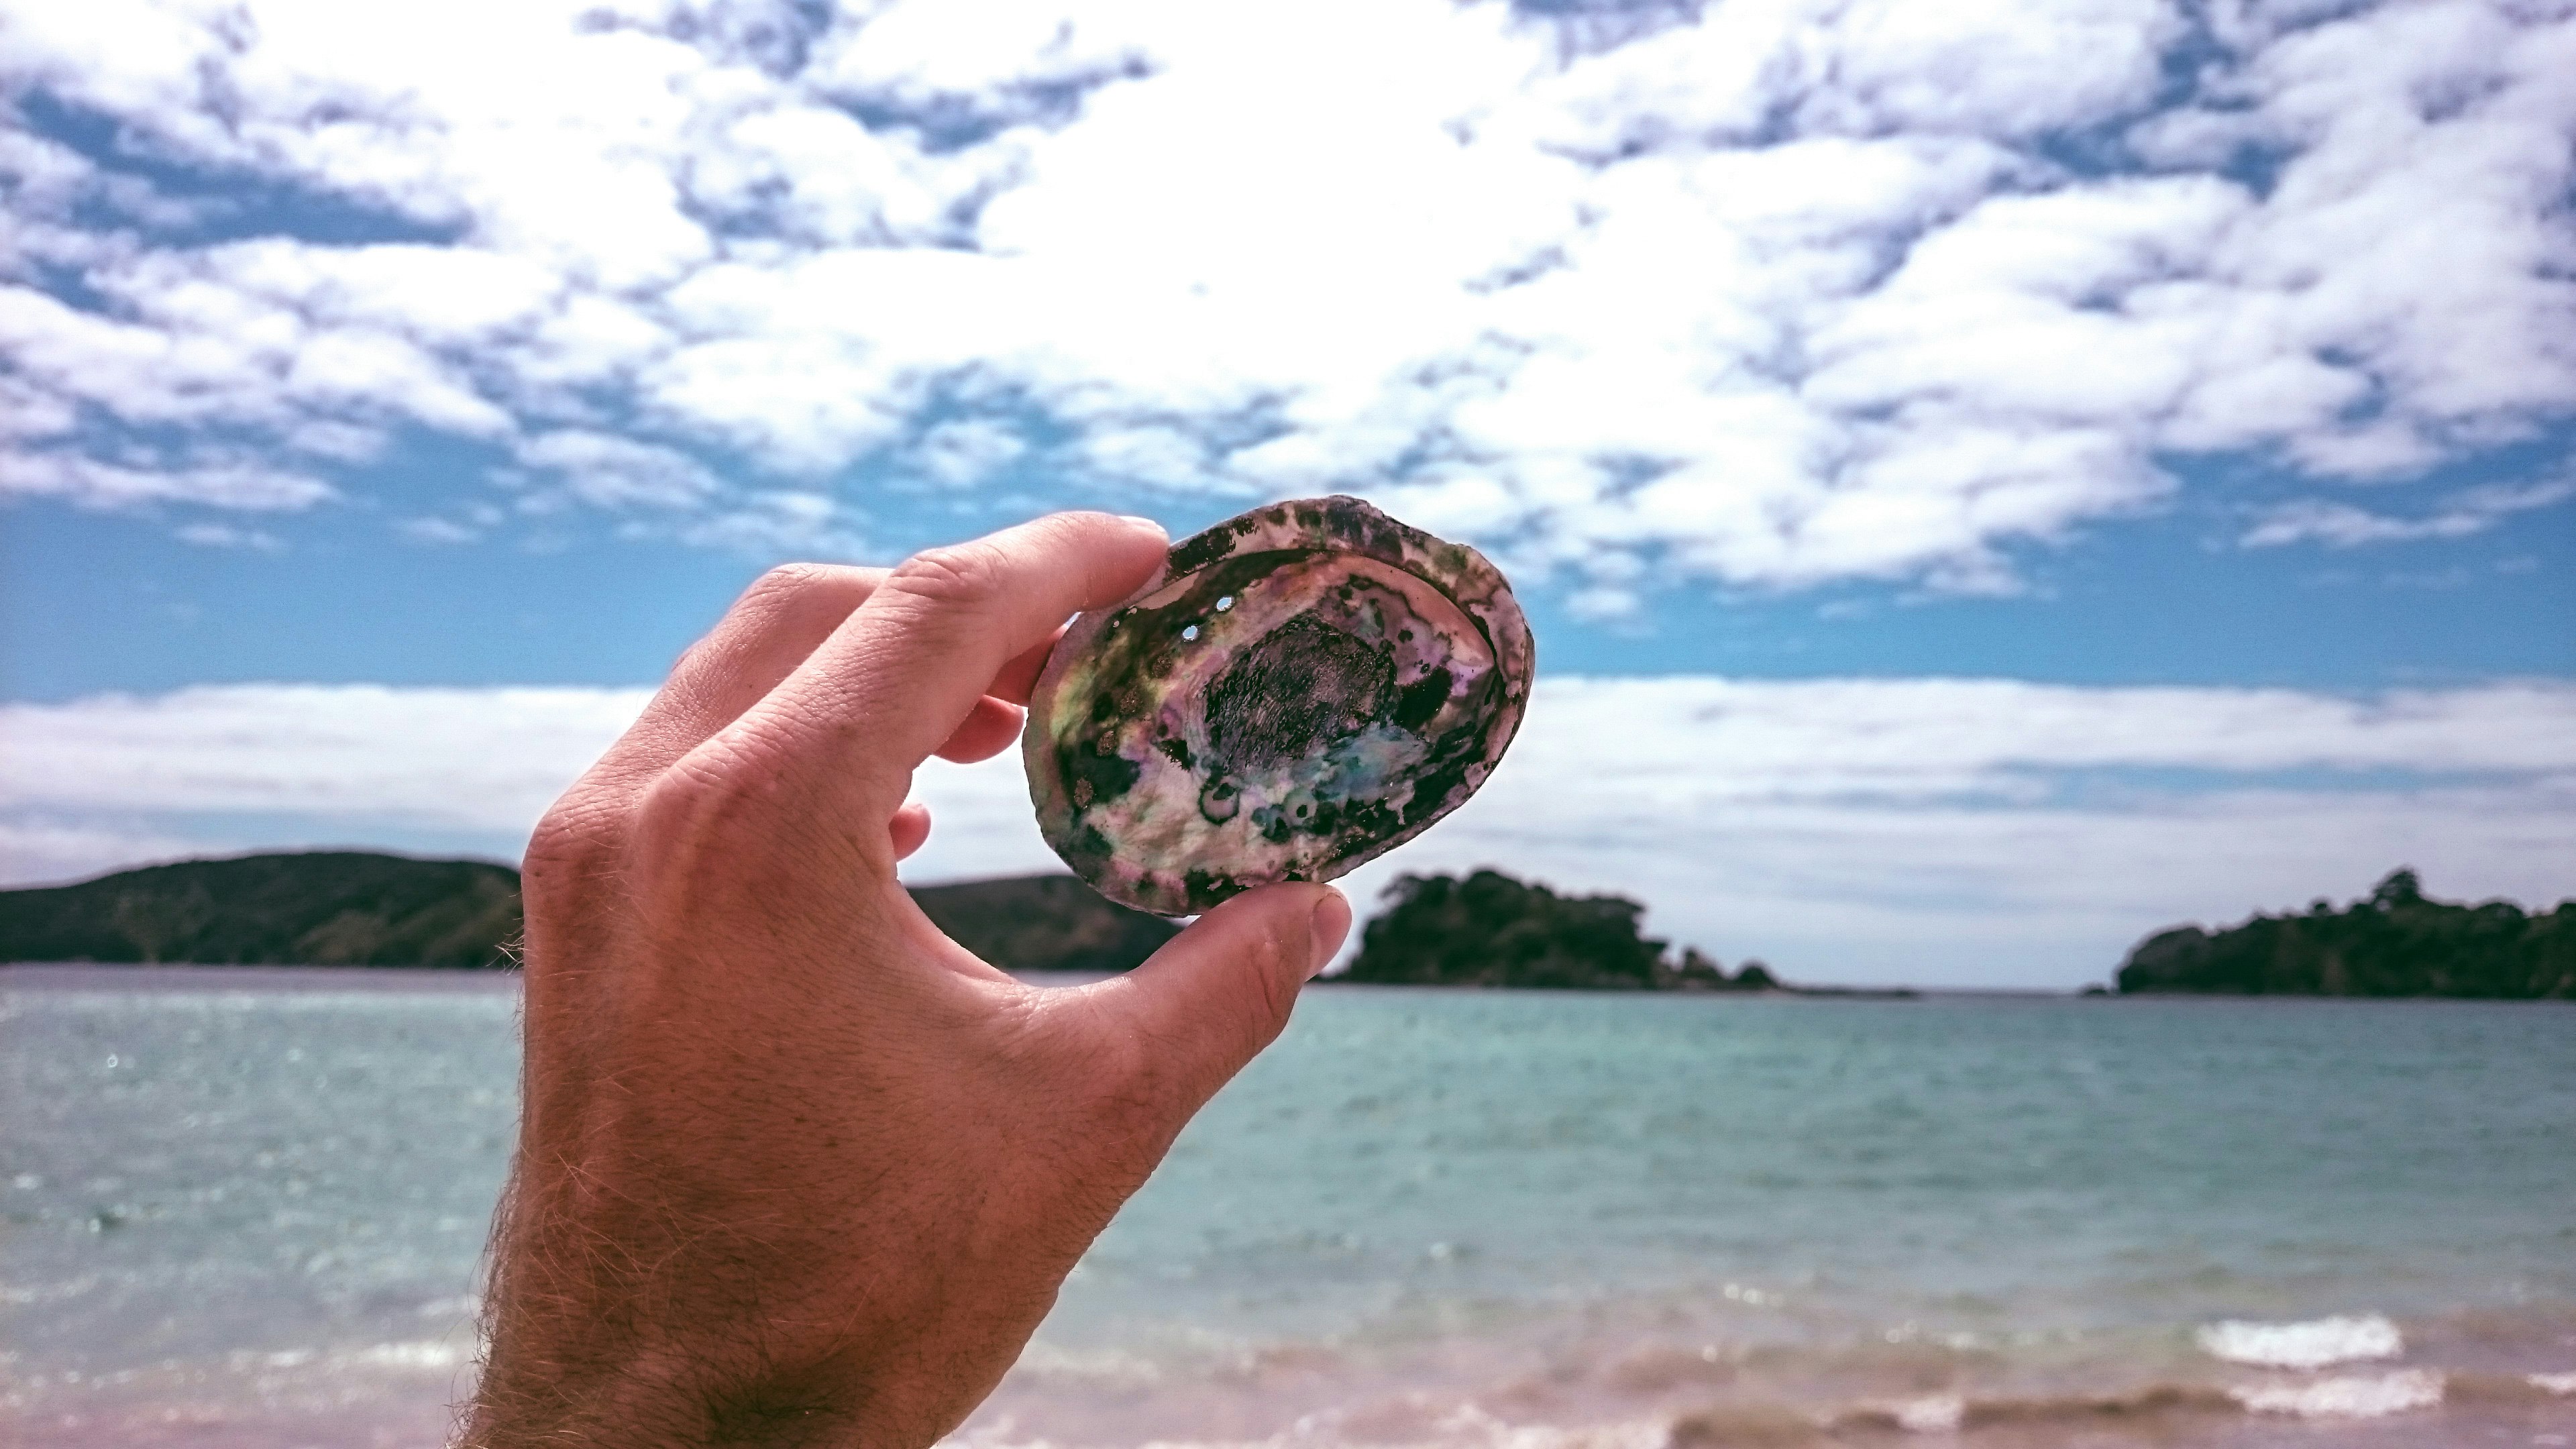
<point x="793" y="1167"/>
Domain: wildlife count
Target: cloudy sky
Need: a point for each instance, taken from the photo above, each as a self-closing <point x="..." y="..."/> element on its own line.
<point x="1990" y="478"/>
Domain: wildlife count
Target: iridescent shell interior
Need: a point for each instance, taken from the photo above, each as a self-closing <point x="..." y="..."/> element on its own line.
<point x="1303" y="688"/>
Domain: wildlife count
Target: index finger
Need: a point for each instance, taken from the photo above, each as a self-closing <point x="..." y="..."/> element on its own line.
<point x="899" y="675"/>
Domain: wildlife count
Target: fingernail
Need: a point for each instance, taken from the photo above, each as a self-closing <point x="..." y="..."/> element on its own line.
<point x="1141" y="521"/>
<point x="1332" y="922"/>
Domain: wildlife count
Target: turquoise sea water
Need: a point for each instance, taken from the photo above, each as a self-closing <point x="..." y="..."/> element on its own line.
<point x="246" y="1209"/>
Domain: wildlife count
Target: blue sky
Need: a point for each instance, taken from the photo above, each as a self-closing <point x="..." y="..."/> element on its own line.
<point x="111" y="601"/>
<point x="2225" y="353"/>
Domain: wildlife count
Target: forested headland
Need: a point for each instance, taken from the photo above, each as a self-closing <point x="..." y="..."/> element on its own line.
<point x="1490" y="929"/>
<point x="2394" y="942"/>
<point x="364" y="908"/>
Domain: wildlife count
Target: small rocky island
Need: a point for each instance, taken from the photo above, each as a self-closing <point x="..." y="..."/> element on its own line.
<point x="2395" y="942"/>
<point x="361" y="908"/>
<point x="1492" y="930"/>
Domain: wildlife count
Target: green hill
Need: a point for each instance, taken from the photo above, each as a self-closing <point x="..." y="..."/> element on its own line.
<point x="1043" y="923"/>
<point x="2394" y="943"/>
<point x="1490" y="929"/>
<point x="358" y="908"/>
<point x="334" y="908"/>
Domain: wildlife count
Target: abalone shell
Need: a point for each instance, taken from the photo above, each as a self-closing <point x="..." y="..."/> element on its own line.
<point x="1301" y="689"/>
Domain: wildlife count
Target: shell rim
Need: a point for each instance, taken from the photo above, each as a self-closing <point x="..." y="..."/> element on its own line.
<point x="1364" y="529"/>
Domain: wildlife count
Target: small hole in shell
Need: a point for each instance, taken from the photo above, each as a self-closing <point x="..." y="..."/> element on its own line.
<point x="1191" y="632"/>
<point x="1225" y="603"/>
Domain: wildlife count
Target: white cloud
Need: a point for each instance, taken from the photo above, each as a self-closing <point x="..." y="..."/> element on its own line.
<point x="225" y="535"/>
<point x="1796" y="290"/>
<point x="964" y="452"/>
<point x="619" y="473"/>
<point x="432" y="529"/>
<point x="482" y="759"/>
<point x="99" y="483"/>
<point x="2341" y="525"/>
<point x="1935" y="831"/>
<point x="782" y="522"/>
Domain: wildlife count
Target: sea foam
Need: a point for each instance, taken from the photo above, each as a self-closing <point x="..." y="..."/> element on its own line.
<point x="1935" y="1414"/>
<point x="428" y="1355"/>
<point x="2316" y="1343"/>
<point x="2355" y="1396"/>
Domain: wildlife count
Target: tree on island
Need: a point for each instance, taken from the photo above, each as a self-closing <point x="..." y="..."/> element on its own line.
<point x="2395" y="942"/>
<point x="1492" y="930"/>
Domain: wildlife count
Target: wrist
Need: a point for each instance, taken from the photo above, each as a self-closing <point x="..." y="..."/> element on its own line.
<point x="591" y="1345"/>
<point x="547" y="1394"/>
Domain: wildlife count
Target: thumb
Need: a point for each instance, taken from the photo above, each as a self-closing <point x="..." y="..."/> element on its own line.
<point x="1220" y="991"/>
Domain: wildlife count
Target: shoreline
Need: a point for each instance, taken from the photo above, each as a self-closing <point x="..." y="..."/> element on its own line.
<point x="76" y="976"/>
<point x="106" y="975"/>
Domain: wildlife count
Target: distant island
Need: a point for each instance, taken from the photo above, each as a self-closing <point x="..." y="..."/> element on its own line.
<point x="1486" y="929"/>
<point x="366" y="908"/>
<point x="1043" y="923"/>
<point x="362" y="908"/>
<point x="1490" y="929"/>
<point x="2395" y="942"/>
<point x="329" y="908"/>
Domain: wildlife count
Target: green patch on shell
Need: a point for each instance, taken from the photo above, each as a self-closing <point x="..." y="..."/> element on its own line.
<point x="1300" y="690"/>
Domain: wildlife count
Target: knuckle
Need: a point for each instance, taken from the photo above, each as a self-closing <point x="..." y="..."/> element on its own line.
<point x="696" y="661"/>
<point x="793" y="590"/>
<point x="952" y="574"/>
<point x="685" y="822"/>
<point x="576" y="831"/>
<point x="732" y="810"/>
<point x="697" y="799"/>
<point x="578" y="842"/>
<point x="787" y="580"/>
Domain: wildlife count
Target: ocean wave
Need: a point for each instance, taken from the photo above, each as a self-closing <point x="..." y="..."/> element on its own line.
<point x="2313" y="1344"/>
<point x="1952" y="1413"/>
<point x="2345" y="1396"/>
<point x="2156" y="1408"/>
<point x="1932" y="1414"/>
<point x="2357" y="1396"/>
<point x="424" y="1355"/>
<point x="1468" y="1428"/>
<point x="1611" y="1392"/>
<point x="1100" y="1368"/>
